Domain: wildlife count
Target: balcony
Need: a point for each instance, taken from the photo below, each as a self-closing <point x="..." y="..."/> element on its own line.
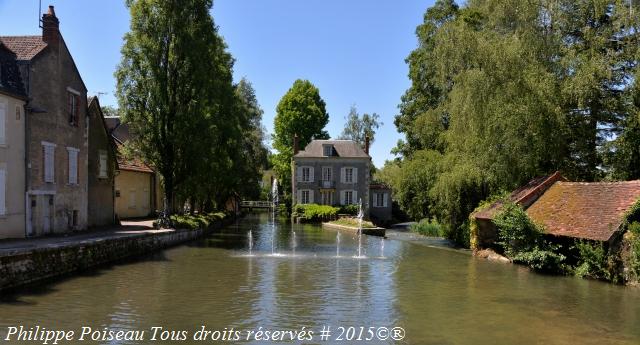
<point x="327" y="184"/>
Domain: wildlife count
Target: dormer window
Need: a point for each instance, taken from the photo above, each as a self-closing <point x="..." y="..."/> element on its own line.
<point x="327" y="150"/>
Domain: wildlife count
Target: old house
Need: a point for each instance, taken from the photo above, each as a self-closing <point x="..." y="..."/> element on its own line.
<point x="56" y="131"/>
<point x="12" y="147"/>
<point x="568" y="210"/>
<point x="137" y="186"/>
<point x="101" y="169"/>
<point x="337" y="172"/>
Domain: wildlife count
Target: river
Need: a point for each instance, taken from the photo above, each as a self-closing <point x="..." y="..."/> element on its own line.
<point x="437" y="296"/>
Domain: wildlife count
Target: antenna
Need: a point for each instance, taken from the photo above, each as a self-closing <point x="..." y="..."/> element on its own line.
<point x="40" y="14"/>
<point x="99" y="93"/>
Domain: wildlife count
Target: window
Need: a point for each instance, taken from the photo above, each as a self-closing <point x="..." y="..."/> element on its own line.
<point x="305" y="174"/>
<point x="327" y="197"/>
<point x="326" y="173"/>
<point x="102" y="172"/>
<point x="380" y="199"/>
<point x="132" y="198"/>
<point x="73" y="108"/>
<point x="349" y="175"/>
<point x="305" y="197"/>
<point x="48" y="155"/>
<point x="348" y="197"/>
<point x="73" y="165"/>
<point x="3" y="191"/>
<point x="117" y="193"/>
<point x="327" y="150"/>
<point x="3" y="119"/>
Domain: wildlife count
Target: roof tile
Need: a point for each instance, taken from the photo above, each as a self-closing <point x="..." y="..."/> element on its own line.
<point x="25" y="47"/>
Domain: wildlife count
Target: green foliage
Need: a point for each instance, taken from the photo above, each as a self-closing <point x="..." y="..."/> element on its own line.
<point x="199" y="221"/>
<point x="353" y="222"/>
<point x="357" y="127"/>
<point x="592" y="260"/>
<point x="315" y="212"/>
<point x="516" y="232"/>
<point x="634" y="228"/>
<point x="634" y="259"/>
<point x="300" y="111"/>
<point x="542" y="260"/>
<point x="349" y="209"/>
<point x="428" y="228"/>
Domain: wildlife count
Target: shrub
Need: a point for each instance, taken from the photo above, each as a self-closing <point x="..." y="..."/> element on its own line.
<point x="428" y="228"/>
<point x="592" y="260"/>
<point x="315" y="212"/>
<point x="634" y="228"/>
<point x="198" y="221"/>
<point x="349" y="209"/>
<point x="516" y="232"/>
<point x="542" y="260"/>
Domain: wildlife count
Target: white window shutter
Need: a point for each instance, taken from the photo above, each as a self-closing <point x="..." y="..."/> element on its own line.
<point x="299" y="195"/>
<point x="299" y="174"/>
<point x="355" y="197"/>
<point x="311" y="195"/>
<point x="342" y="197"/>
<point x="384" y="199"/>
<point x="3" y="120"/>
<point x="3" y="191"/>
<point x="343" y="175"/>
<point x="73" y="167"/>
<point x="49" y="163"/>
<point x="311" y="173"/>
<point x="103" y="165"/>
<point x="132" y="198"/>
<point x="355" y="175"/>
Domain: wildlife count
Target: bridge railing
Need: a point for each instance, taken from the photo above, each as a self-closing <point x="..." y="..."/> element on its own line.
<point x="256" y="203"/>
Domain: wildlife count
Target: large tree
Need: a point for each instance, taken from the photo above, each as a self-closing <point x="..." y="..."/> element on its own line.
<point x="301" y="112"/>
<point x="358" y="127"/>
<point x="173" y="86"/>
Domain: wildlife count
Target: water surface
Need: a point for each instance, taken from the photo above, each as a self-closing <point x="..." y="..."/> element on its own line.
<point x="438" y="296"/>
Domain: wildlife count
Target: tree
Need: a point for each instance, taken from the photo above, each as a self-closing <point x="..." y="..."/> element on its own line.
<point x="110" y="111"/>
<point x="357" y="127"/>
<point x="173" y="86"/>
<point x="301" y="111"/>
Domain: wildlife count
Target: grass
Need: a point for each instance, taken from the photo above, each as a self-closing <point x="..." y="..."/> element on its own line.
<point x="428" y="228"/>
<point x="353" y="222"/>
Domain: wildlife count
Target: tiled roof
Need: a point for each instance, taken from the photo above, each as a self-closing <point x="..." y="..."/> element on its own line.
<point x="585" y="210"/>
<point x="342" y="148"/>
<point x="131" y="164"/>
<point x="25" y="47"/>
<point x="524" y="195"/>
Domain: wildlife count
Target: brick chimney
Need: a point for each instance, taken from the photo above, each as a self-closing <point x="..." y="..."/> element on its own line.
<point x="50" y="27"/>
<point x="366" y="144"/>
<point x="296" y="144"/>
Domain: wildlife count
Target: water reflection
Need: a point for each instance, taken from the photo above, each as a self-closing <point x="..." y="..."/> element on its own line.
<point x="438" y="296"/>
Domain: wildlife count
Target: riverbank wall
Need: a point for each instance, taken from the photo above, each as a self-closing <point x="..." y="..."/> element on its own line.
<point x="22" y="267"/>
<point x="380" y="232"/>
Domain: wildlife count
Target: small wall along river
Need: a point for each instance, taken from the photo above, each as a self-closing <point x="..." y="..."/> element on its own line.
<point x="438" y="296"/>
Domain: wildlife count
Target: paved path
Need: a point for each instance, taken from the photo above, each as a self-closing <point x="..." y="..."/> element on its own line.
<point x="128" y="228"/>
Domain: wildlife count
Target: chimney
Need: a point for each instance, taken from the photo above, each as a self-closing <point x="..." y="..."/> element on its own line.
<point x="50" y="27"/>
<point x="296" y="144"/>
<point x="366" y="144"/>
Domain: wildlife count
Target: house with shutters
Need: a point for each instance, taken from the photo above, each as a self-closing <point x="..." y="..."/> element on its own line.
<point x="338" y="172"/>
<point x="56" y="130"/>
<point x="12" y="147"/>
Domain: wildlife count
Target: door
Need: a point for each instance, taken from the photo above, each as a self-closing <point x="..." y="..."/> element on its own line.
<point x="46" y="214"/>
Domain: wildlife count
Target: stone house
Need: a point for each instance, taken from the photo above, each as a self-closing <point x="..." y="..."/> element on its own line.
<point x="56" y="131"/>
<point x="12" y="147"/>
<point x="336" y="172"/>
<point x="101" y="170"/>
<point x="137" y="185"/>
<point x="592" y="211"/>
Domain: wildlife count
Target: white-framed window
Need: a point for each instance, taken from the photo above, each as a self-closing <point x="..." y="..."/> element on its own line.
<point x="132" y="198"/>
<point x="48" y="162"/>
<point x="349" y="175"/>
<point x="305" y="174"/>
<point x="305" y="196"/>
<point x="3" y="191"/>
<point x="327" y="173"/>
<point x="73" y="106"/>
<point x="380" y="199"/>
<point x="348" y="197"/>
<point x="102" y="164"/>
<point x="3" y="125"/>
<point x="327" y="150"/>
<point x="73" y="164"/>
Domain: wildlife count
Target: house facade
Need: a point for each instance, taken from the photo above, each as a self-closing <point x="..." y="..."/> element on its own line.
<point x="337" y="172"/>
<point x="101" y="170"/>
<point x="56" y="131"/>
<point x="12" y="147"/>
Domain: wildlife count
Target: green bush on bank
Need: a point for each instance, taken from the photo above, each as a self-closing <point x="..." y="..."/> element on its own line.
<point x="592" y="261"/>
<point x="315" y="212"/>
<point x="428" y="228"/>
<point x="197" y="221"/>
<point x="349" y="209"/>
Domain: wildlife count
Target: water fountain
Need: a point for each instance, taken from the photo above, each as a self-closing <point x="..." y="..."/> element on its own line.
<point x="382" y="247"/>
<point x="293" y="242"/>
<point x="250" y="243"/>
<point x="274" y="201"/>
<point x="337" y="244"/>
<point x="360" y="216"/>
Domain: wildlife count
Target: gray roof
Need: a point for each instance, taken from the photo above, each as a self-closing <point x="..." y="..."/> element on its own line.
<point x="342" y="148"/>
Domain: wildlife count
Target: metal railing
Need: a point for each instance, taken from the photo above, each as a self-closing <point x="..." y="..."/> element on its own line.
<point x="256" y="204"/>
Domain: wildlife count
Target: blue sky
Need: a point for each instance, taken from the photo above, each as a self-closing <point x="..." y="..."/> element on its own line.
<point x="352" y="50"/>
